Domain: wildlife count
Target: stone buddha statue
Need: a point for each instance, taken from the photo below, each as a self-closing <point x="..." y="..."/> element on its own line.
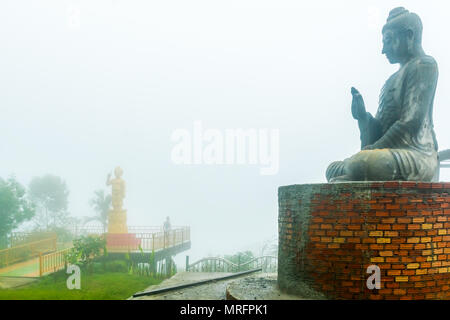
<point x="399" y="143"/>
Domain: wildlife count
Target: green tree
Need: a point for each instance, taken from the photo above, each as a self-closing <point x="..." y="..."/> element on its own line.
<point x="50" y="194"/>
<point x="101" y="204"/>
<point x="15" y="208"/>
<point x="270" y="247"/>
<point x="240" y="257"/>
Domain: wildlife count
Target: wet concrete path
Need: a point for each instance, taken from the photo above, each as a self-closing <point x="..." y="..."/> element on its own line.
<point x="210" y="291"/>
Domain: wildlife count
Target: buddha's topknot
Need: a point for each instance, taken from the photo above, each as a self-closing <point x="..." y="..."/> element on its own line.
<point x="401" y="19"/>
<point x="394" y="13"/>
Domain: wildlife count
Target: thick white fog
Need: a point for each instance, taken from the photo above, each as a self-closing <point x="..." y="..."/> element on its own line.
<point x="91" y="84"/>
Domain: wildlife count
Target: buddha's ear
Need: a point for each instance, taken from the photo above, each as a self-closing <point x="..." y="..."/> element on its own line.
<point x="409" y="34"/>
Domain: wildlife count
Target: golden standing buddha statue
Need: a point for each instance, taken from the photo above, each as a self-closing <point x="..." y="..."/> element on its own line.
<point x="117" y="220"/>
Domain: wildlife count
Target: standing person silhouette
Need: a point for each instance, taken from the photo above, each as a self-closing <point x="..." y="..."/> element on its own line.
<point x="167" y="226"/>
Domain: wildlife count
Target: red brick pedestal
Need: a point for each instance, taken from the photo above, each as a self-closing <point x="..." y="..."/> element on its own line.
<point x="122" y="242"/>
<point x="329" y="234"/>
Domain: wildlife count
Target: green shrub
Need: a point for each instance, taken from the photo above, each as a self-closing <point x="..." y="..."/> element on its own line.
<point x="85" y="250"/>
<point x="117" y="266"/>
<point x="98" y="267"/>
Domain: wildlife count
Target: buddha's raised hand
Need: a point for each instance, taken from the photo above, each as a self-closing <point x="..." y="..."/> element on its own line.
<point x="358" y="107"/>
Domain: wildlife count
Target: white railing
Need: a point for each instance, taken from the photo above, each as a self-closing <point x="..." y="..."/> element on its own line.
<point x="217" y="264"/>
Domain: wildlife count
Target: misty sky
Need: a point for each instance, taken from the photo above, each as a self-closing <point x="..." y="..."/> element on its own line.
<point x="89" y="85"/>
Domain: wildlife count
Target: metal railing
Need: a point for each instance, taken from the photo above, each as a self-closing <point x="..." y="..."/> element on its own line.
<point x="148" y="241"/>
<point x="444" y="162"/>
<point x="86" y="230"/>
<point x="267" y="263"/>
<point x="217" y="264"/>
<point x="213" y="264"/>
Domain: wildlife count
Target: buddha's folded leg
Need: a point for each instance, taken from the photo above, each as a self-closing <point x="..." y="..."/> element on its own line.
<point x="334" y="170"/>
<point x="384" y="165"/>
<point x="366" y="165"/>
<point x="415" y="165"/>
<point x="373" y="165"/>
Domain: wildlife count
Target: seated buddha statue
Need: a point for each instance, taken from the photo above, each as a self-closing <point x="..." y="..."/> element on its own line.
<point x="399" y="143"/>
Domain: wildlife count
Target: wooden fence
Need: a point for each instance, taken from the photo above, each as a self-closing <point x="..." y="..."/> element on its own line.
<point x="53" y="262"/>
<point x="20" y="238"/>
<point x="26" y="251"/>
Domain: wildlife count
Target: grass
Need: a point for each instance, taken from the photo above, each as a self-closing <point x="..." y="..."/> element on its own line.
<point x="96" y="286"/>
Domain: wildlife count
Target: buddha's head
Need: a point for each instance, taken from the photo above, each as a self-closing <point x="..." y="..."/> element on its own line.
<point x="402" y="35"/>
<point x="118" y="172"/>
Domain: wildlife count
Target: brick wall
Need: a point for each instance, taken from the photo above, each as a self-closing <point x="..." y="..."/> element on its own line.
<point x="330" y="233"/>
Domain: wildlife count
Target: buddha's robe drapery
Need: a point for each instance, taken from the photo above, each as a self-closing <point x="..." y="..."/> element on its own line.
<point x="402" y="131"/>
